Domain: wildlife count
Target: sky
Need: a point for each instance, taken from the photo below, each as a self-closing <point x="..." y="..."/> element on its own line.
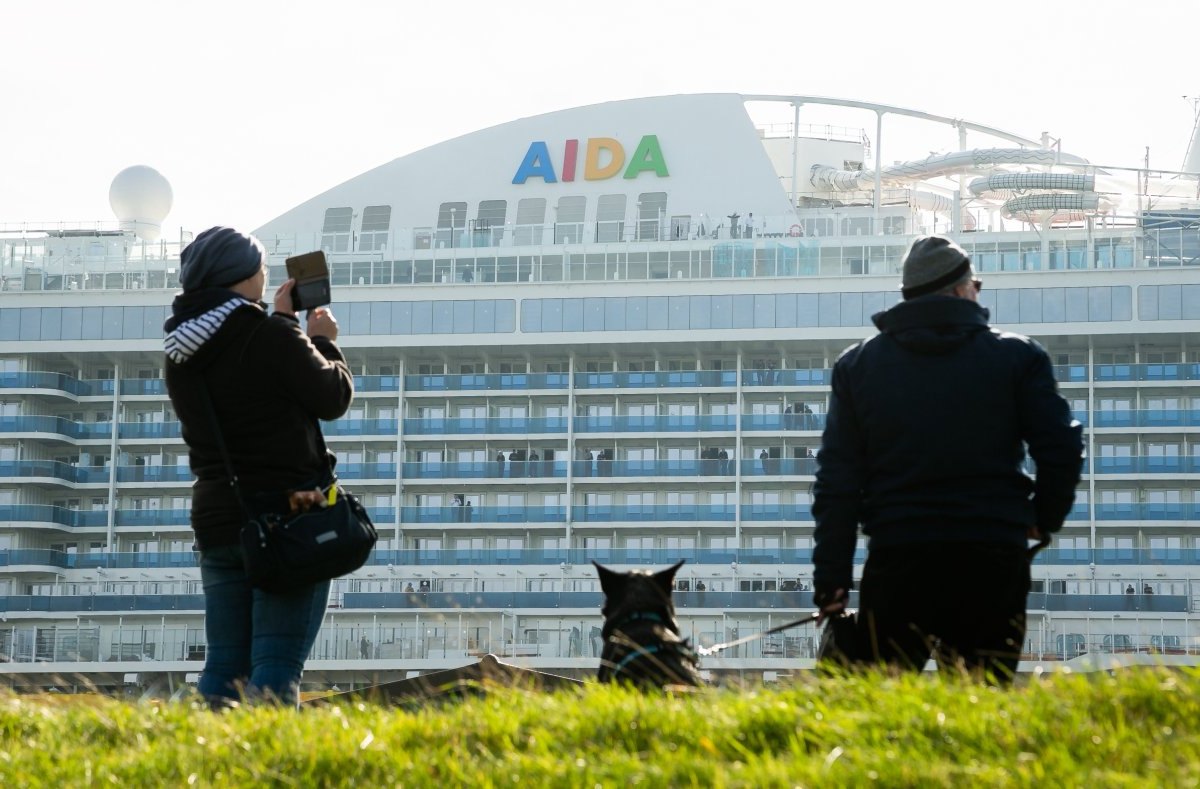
<point x="249" y="108"/>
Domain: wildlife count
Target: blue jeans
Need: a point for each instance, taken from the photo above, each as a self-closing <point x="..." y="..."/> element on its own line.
<point x="257" y="641"/>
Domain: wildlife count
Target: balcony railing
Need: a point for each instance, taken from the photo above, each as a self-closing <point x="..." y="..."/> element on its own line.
<point x="661" y="379"/>
<point x="652" y="513"/>
<point x="490" y="382"/>
<point x="154" y="474"/>
<point x="56" y="425"/>
<point x="26" y="469"/>
<point x="360" y="427"/>
<point x="525" y="382"/>
<point x="1149" y="417"/>
<point x="1146" y="464"/>
<point x="517" y="425"/>
<point x="149" y="430"/>
<point x="529" y="469"/>
<point x="647" y="557"/>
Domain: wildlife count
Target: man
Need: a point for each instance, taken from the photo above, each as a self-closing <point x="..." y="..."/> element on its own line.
<point x="923" y="447"/>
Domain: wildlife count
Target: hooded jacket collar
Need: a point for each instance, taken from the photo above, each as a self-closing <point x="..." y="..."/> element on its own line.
<point x="933" y="324"/>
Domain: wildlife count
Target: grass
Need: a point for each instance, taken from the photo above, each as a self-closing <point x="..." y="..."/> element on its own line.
<point x="1137" y="728"/>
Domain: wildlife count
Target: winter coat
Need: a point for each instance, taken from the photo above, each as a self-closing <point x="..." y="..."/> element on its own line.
<point x="925" y="438"/>
<point x="268" y="383"/>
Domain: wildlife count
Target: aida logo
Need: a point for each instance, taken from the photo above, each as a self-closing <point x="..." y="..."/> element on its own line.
<point x="603" y="158"/>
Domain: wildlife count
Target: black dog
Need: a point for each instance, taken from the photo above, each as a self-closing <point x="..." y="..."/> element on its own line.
<point x="641" y="638"/>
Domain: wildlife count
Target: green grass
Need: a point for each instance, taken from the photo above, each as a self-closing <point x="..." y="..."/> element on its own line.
<point x="1139" y="728"/>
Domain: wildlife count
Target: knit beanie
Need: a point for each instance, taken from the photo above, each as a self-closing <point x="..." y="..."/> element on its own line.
<point x="932" y="263"/>
<point x="219" y="257"/>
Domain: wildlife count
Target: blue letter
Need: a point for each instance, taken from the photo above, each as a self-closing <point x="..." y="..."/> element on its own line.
<point x="536" y="164"/>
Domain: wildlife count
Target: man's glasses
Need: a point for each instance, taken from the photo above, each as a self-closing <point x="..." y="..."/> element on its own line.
<point x="978" y="283"/>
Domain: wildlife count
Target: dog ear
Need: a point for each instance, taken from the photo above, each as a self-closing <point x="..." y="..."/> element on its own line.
<point x="610" y="581"/>
<point x="666" y="578"/>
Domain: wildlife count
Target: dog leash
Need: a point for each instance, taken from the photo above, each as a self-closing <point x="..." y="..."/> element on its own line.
<point x="715" y="648"/>
<point x="1031" y="552"/>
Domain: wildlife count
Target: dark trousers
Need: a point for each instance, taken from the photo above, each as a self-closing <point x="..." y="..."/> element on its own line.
<point x="962" y="603"/>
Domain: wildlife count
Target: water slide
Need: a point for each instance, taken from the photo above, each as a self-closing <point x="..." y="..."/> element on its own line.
<point x="1073" y="195"/>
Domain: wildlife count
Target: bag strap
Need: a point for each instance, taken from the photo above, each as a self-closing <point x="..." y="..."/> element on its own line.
<point x="216" y="428"/>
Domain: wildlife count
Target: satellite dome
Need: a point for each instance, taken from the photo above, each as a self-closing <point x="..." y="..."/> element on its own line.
<point x="141" y="198"/>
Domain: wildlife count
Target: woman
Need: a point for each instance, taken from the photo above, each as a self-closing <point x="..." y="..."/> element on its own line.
<point x="268" y="382"/>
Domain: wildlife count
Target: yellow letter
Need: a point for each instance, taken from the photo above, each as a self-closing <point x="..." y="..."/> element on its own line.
<point x="592" y="170"/>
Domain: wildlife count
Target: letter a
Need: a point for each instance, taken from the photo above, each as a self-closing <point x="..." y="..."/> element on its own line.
<point x="648" y="156"/>
<point x="536" y="164"/>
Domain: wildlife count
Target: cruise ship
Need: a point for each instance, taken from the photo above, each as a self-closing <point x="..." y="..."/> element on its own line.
<point x="603" y="333"/>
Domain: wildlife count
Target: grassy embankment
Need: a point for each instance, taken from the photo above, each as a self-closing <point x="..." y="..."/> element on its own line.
<point x="1140" y="728"/>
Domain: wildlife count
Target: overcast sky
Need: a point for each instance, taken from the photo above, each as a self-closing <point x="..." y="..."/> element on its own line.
<point x="249" y="108"/>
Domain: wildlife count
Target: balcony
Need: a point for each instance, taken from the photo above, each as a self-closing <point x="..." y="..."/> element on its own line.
<point x="1146" y="464"/>
<point x="43" y="513"/>
<point x="25" y="469"/>
<point x="361" y="427"/>
<point x="154" y="474"/>
<point x="662" y="379"/>
<point x="1150" y="417"/>
<point x="151" y="430"/>
<point x="514" y="514"/>
<point x="491" y="382"/>
<point x="531" y="469"/>
<point x="143" y="386"/>
<point x="376" y="383"/>
<point x="689" y="423"/>
<point x="1146" y="372"/>
<point x="467" y="426"/>
<point x="100" y="603"/>
<point x="779" y="422"/>
<point x="652" y="513"/>
<point x="99" y="560"/>
<point x="367" y="471"/>
<point x="55" y="425"/>
<point x="777" y="377"/>
<point x="51" y="381"/>
<point x="774" y="467"/>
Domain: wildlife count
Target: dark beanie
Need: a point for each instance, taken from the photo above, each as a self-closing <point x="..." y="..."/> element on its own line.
<point x="932" y="263"/>
<point x="219" y="257"/>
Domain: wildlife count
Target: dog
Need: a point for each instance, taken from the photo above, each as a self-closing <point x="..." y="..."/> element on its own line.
<point x="642" y="645"/>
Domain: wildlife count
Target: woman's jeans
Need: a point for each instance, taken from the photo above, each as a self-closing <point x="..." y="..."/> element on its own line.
<point x="257" y="641"/>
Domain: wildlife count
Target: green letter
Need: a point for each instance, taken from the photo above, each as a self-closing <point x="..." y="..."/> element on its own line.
<point x="648" y="156"/>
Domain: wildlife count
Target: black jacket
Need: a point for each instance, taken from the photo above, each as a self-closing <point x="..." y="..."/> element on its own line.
<point x="268" y="382"/>
<point x="924" y="438"/>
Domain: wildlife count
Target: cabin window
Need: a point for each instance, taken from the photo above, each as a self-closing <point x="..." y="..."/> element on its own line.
<point x="652" y="207"/>
<point x="531" y="217"/>
<point x="376" y="221"/>
<point x="568" y="221"/>
<point x="335" y="233"/>
<point x="489" y="224"/>
<point x="610" y="218"/>
<point x="452" y="219"/>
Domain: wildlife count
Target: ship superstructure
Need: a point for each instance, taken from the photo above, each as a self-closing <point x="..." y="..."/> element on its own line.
<point x="603" y="334"/>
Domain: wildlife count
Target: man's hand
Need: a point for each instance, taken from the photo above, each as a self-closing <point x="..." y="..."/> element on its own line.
<point x="321" y="323"/>
<point x="283" y="299"/>
<point x="830" y="604"/>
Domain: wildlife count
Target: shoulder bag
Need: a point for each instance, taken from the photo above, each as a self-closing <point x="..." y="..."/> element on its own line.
<point x="285" y="551"/>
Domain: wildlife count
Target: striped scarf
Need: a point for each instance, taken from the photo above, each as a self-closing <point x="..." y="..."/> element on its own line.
<point x="185" y="339"/>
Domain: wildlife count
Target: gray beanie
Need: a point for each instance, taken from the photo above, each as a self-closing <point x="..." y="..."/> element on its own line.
<point x="219" y="257"/>
<point x="933" y="263"/>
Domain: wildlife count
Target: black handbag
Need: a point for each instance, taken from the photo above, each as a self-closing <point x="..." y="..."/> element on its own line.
<point x="285" y="551"/>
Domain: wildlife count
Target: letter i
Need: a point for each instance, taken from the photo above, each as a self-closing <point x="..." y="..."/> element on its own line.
<point x="569" y="157"/>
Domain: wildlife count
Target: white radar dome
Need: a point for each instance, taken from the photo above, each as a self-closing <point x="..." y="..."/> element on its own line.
<point x="141" y="198"/>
